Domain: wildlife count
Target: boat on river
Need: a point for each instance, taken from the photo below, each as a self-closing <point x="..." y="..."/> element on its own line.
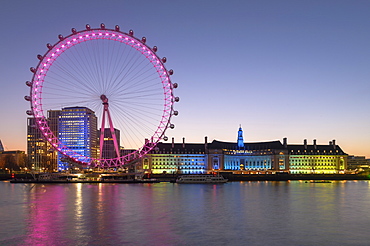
<point x="201" y="179"/>
<point x="320" y="181"/>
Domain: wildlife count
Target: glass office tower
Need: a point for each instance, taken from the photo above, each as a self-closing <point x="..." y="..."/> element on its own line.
<point x="78" y="132"/>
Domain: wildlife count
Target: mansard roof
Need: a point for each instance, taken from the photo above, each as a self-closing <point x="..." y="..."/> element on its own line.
<point x="296" y="149"/>
<point x="248" y="146"/>
<point x="180" y="147"/>
<point x="315" y="149"/>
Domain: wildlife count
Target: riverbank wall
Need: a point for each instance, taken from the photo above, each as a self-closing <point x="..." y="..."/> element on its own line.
<point x="273" y="177"/>
<point x="238" y="177"/>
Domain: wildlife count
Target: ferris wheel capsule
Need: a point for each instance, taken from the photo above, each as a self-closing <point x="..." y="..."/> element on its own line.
<point x="33" y="70"/>
<point x="175" y="113"/>
<point x="143" y="40"/>
<point x="177" y="99"/>
<point x="155" y="49"/>
<point x="88" y="27"/>
<point x="164" y="59"/>
<point x="27" y="98"/>
<point x="60" y="36"/>
<point x="40" y="57"/>
<point x="165" y="138"/>
<point x="170" y="72"/>
<point x="175" y="85"/>
<point x="29" y="83"/>
<point x="116" y="28"/>
<point x="172" y="126"/>
<point x="50" y="46"/>
<point x="29" y="112"/>
<point x="131" y="32"/>
<point x="102" y="26"/>
<point x="74" y="31"/>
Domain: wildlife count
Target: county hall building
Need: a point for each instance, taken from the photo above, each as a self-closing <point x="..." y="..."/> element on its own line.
<point x="241" y="157"/>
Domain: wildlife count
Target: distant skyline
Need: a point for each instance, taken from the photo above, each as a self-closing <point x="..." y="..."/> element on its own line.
<point x="294" y="69"/>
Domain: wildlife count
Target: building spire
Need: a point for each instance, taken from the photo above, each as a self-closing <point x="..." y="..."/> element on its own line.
<point x="240" y="138"/>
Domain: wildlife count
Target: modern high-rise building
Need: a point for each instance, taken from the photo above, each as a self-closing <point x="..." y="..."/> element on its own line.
<point x="53" y="121"/>
<point x="41" y="155"/>
<point x="77" y="131"/>
<point x="109" y="151"/>
<point x="36" y="147"/>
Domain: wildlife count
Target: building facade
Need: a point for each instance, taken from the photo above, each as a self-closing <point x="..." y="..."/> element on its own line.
<point x="77" y="130"/>
<point x="37" y="147"/>
<point x="14" y="160"/>
<point x="358" y="163"/>
<point x="108" y="150"/>
<point x="247" y="158"/>
<point x="316" y="159"/>
<point x="176" y="158"/>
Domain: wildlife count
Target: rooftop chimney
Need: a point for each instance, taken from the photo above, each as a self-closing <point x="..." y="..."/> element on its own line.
<point x="305" y="143"/>
<point x="334" y="146"/>
<point x="173" y="143"/>
<point x="314" y="144"/>
<point x="285" y="142"/>
<point x="183" y="143"/>
<point x="205" y="142"/>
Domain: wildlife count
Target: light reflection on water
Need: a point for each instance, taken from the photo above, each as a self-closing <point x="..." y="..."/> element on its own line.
<point x="239" y="213"/>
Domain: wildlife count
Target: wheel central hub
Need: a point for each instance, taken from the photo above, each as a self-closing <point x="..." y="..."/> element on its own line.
<point x="104" y="98"/>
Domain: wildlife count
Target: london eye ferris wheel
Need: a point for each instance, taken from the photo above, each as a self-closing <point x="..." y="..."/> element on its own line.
<point x="116" y="75"/>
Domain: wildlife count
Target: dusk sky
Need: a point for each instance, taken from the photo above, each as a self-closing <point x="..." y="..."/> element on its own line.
<point x="294" y="69"/>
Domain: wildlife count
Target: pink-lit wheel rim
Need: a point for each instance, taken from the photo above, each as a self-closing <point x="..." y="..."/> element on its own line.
<point x="81" y="67"/>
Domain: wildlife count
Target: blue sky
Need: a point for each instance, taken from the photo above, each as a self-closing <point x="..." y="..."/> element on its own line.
<point x="295" y="69"/>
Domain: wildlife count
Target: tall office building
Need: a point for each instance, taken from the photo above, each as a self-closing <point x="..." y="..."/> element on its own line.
<point x="77" y="131"/>
<point x="109" y="150"/>
<point x="36" y="146"/>
<point x="53" y="121"/>
<point x="41" y="155"/>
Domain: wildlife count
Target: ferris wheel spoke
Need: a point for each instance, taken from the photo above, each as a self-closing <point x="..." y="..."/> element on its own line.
<point x="151" y="116"/>
<point x="125" y="81"/>
<point x="135" y="84"/>
<point x="116" y="80"/>
<point x="136" y="74"/>
<point x="112" y="53"/>
<point x="138" y="114"/>
<point x="128" y="70"/>
<point x="70" y="81"/>
<point x="58" y="88"/>
<point x="120" y="57"/>
<point x="82" y="61"/>
<point x="153" y="106"/>
<point x="133" y="130"/>
<point x="69" y="65"/>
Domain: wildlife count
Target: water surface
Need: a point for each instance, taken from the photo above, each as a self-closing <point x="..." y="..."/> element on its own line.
<point x="235" y="213"/>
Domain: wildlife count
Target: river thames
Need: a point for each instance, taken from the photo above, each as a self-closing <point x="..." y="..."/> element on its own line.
<point x="235" y="213"/>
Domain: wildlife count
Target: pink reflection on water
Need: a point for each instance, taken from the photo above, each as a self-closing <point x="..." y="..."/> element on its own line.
<point x="85" y="214"/>
<point x="46" y="211"/>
